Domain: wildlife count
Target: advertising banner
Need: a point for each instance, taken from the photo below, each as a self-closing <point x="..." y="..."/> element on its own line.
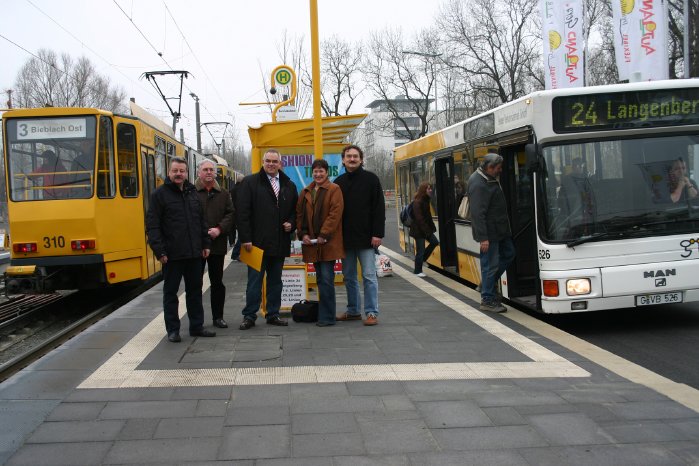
<point x="640" y="39"/>
<point x="564" y="43"/>
<point x="298" y="167"/>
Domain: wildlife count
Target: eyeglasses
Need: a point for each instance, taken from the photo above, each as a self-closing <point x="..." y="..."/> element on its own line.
<point x="273" y="162"/>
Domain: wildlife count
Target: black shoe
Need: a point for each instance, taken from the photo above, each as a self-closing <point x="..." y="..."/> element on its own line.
<point x="276" y="320"/>
<point x="202" y="333"/>
<point x="247" y="324"/>
<point x="174" y="337"/>
<point x="220" y="323"/>
<point x="324" y="324"/>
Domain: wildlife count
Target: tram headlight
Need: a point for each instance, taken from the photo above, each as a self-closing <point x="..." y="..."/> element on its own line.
<point x="578" y="286"/>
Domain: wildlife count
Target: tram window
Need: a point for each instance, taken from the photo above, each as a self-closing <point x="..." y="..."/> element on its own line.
<point x="160" y="161"/>
<point x="106" y="179"/>
<point x="126" y="149"/>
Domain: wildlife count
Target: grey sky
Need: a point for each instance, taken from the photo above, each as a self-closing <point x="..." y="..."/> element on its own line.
<point x="231" y="41"/>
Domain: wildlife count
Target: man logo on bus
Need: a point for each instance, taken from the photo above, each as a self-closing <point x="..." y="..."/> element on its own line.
<point x="659" y="273"/>
<point x="660" y="282"/>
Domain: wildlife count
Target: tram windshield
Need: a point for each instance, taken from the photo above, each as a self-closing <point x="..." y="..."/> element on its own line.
<point x="620" y="188"/>
<point x="51" y="158"/>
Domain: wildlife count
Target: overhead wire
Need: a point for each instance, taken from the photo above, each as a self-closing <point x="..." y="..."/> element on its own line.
<point x="160" y="54"/>
<point x="83" y="44"/>
<point x="195" y="56"/>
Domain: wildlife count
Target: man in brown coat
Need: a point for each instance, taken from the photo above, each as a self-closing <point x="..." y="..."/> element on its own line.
<point x="218" y="212"/>
<point x="319" y="227"/>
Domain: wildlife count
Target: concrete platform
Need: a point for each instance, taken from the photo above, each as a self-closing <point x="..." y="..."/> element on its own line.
<point x="436" y="382"/>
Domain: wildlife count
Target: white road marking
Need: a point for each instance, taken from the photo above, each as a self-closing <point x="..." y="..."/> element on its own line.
<point x="120" y="371"/>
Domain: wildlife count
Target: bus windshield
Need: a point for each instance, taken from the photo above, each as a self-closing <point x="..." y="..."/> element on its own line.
<point x="619" y="188"/>
<point x="51" y="158"/>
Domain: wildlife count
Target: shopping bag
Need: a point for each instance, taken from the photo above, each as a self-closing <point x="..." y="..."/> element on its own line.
<point x="383" y="265"/>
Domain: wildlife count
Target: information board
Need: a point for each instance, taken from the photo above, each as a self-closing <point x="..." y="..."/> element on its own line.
<point x="294" y="286"/>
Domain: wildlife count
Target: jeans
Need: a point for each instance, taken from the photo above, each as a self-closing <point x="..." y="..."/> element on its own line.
<point x="173" y="272"/>
<point x="218" y="289"/>
<point x="272" y="266"/>
<point x="493" y="264"/>
<point x="422" y="254"/>
<point x="235" y="254"/>
<point x="371" y="283"/>
<point x="325" y="277"/>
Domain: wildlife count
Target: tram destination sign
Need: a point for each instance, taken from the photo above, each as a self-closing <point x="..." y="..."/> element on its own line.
<point x="626" y="110"/>
<point x="51" y="128"/>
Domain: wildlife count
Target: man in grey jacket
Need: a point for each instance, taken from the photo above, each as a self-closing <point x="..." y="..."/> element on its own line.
<point x="491" y="228"/>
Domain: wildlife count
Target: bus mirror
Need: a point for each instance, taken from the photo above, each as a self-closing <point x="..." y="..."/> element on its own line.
<point x="532" y="156"/>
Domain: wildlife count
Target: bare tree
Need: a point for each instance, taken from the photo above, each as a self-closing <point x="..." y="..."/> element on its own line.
<point x="493" y="43"/>
<point x="677" y="34"/>
<point x="390" y="72"/>
<point x="339" y="76"/>
<point x="48" y="79"/>
<point x="601" y="61"/>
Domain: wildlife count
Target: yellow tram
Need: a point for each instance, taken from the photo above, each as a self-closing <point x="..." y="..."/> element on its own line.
<point x="78" y="186"/>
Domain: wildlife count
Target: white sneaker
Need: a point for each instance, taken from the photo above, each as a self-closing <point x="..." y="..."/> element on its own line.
<point x="421" y="275"/>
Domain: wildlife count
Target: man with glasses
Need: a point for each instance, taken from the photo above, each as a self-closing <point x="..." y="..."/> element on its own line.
<point x="218" y="212"/>
<point x="265" y="216"/>
<point x="491" y="228"/>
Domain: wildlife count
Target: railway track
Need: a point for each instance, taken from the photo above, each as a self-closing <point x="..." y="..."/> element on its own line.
<point x="22" y="306"/>
<point x="81" y="310"/>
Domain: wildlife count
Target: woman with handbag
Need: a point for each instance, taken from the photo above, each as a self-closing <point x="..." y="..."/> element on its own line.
<point x="319" y="226"/>
<point x="422" y="228"/>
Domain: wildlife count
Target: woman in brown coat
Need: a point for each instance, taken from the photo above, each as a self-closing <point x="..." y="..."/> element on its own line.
<point x="319" y="227"/>
<point x="423" y="227"/>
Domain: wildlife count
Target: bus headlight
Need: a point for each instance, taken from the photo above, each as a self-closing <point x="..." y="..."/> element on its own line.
<point x="578" y="286"/>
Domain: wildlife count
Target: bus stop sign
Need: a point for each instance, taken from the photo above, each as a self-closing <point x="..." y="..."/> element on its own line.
<point x="283" y="77"/>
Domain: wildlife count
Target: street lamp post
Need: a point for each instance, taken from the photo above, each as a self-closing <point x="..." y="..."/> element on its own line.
<point x="434" y="56"/>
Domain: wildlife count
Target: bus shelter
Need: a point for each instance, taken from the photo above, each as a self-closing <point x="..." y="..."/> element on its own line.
<point x="294" y="141"/>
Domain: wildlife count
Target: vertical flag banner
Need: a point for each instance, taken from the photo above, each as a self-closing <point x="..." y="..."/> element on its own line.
<point x="564" y="43"/>
<point x="640" y="38"/>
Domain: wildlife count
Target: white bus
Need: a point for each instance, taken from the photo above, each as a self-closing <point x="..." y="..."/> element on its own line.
<point x="601" y="192"/>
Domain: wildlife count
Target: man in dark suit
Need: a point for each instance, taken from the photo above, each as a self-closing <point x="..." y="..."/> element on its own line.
<point x="266" y="214"/>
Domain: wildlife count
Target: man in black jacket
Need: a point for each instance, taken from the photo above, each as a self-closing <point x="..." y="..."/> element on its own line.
<point x="218" y="212"/>
<point x="177" y="234"/>
<point x="363" y="223"/>
<point x="265" y="217"/>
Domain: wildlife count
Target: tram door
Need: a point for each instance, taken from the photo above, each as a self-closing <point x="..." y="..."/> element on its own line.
<point x="446" y="211"/>
<point x="148" y="174"/>
<point x="522" y="275"/>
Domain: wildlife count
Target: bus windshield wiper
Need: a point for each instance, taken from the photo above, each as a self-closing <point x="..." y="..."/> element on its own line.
<point x="594" y="237"/>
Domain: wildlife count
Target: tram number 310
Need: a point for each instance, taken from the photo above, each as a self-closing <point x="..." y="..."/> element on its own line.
<point x="54" y="242"/>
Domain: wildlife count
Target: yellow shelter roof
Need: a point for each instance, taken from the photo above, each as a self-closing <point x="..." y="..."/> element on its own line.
<point x="296" y="133"/>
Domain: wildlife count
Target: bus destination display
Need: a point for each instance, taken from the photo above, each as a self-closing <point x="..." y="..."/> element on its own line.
<point x="625" y="110"/>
